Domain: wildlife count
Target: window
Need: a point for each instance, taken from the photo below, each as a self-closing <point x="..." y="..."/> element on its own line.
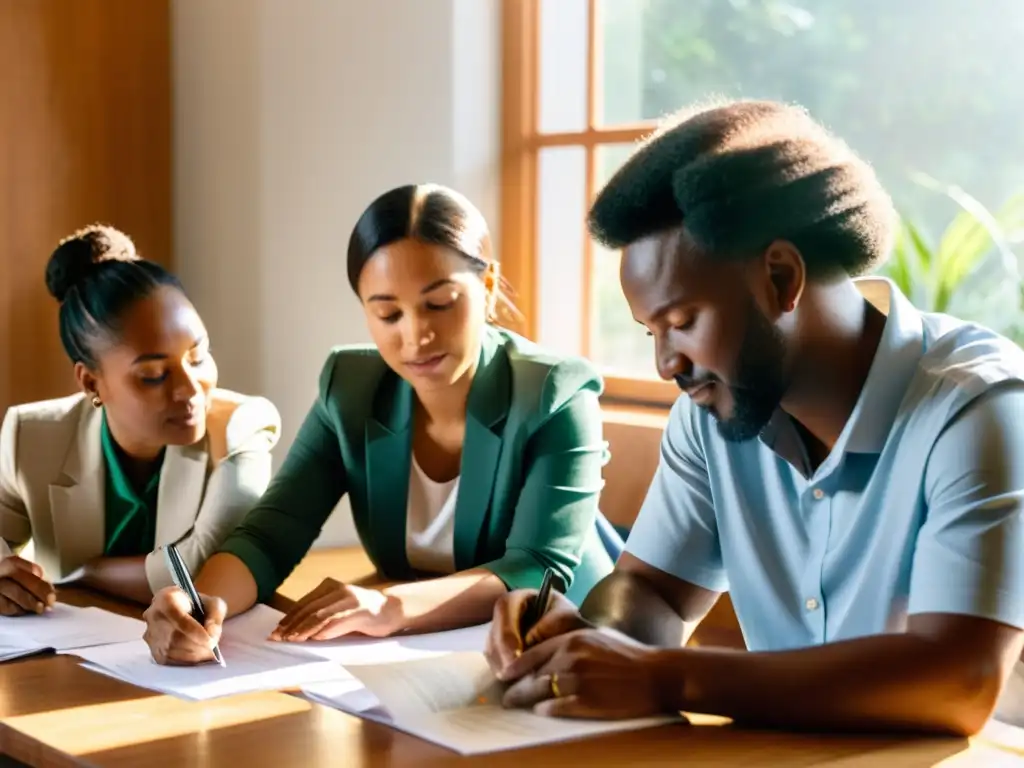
<point x="926" y="95"/>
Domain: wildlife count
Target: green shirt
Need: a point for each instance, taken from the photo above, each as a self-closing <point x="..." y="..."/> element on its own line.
<point x="130" y="516"/>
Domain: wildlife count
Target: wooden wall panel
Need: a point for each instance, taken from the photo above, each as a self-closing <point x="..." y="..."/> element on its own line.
<point x="85" y="125"/>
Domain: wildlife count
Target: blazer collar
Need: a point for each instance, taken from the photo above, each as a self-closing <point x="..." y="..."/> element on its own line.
<point x="389" y="459"/>
<point x="78" y="503"/>
<point x="180" y="495"/>
<point x="77" y="497"/>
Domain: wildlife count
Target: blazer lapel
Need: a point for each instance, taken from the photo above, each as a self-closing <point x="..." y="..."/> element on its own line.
<point x="182" y="483"/>
<point x="388" y="462"/>
<point x="486" y="411"/>
<point x="77" y="498"/>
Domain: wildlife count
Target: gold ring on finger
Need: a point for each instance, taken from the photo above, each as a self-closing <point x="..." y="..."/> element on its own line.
<point x="554" y="686"/>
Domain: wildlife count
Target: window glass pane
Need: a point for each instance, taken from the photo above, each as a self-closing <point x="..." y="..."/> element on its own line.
<point x="617" y="342"/>
<point x="563" y="65"/>
<point x="561" y="214"/>
<point x="920" y="90"/>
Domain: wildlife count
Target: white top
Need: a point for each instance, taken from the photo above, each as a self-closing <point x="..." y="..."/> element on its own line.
<point x="430" y="522"/>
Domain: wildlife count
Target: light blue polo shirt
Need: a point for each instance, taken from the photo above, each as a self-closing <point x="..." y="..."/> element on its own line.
<point x="917" y="509"/>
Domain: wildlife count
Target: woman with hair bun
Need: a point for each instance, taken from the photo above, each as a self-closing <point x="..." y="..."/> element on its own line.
<point x="471" y="457"/>
<point x="150" y="452"/>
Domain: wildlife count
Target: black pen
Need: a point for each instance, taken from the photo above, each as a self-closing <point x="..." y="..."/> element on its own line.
<point x="183" y="580"/>
<point x="536" y="609"/>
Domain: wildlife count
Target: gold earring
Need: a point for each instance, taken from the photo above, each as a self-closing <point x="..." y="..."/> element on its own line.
<point x="96" y="402"/>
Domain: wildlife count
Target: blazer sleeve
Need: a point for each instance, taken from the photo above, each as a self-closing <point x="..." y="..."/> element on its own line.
<point x="558" y="503"/>
<point x="240" y="476"/>
<point x="276" y="534"/>
<point x="15" y="529"/>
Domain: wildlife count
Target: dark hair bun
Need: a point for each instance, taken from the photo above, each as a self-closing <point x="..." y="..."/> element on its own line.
<point x="77" y="255"/>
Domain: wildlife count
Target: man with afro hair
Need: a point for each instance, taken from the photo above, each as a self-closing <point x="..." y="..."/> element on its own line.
<point x="849" y="468"/>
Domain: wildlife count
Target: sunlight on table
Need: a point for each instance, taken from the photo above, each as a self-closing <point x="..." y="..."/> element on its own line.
<point x="151" y="719"/>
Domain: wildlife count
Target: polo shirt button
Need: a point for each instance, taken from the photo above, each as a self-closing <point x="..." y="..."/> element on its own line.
<point x="811" y="604"/>
<point x="819" y="494"/>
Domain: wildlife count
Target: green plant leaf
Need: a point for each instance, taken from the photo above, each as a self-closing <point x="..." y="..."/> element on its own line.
<point x="968" y="240"/>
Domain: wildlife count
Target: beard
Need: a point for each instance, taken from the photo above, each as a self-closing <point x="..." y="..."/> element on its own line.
<point x="759" y="383"/>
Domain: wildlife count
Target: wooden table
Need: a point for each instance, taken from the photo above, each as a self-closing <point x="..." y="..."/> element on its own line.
<point x="55" y="713"/>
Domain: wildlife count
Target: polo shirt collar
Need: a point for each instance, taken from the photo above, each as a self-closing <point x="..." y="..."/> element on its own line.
<point x="896" y="360"/>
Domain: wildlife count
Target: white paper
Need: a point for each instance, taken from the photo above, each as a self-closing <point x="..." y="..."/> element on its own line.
<point x="349" y="650"/>
<point x="75" y="575"/>
<point x="14" y="650"/>
<point x="66" y="628"/>
<point x="252" y="663"/>
<point x="455" y="702"/>
<point x="348" y="694"/>
<point x="409" y="689"/>
<point x="1003" y="734"/>
<point x="248" y="668"/>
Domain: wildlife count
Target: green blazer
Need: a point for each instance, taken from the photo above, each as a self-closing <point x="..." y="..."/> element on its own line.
<point x="530" y="475"/>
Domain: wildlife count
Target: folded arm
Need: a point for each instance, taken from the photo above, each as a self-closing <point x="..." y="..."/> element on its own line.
<point x="234" y="488"/>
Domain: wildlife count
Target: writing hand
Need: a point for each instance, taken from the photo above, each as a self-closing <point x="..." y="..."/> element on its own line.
<point x="505" y="641"/>
<point x="173" y="636"/>
<point x="591" y="673"/>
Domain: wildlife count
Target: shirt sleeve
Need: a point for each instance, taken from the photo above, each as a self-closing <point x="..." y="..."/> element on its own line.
<point x="234" y="487"/>
<point x="676" y="530"/>
<point x="15" y="529"/>
<point x="276" y="534"/>
<point x="969" y="556"/>
<point x="278" y="531"/>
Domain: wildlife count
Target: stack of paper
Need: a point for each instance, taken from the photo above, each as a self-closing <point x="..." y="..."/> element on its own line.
<point x="455" y="701"/>
<point x="15" y="650"/>
<point x="64" y="628"/>
<point x="252" y="663"/>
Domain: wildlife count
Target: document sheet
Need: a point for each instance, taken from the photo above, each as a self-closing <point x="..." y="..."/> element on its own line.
<point x="252" y="663"/>
<point x="353" y="650"/>
<point x="455" y="701"/>
<point x="64" y="628"/>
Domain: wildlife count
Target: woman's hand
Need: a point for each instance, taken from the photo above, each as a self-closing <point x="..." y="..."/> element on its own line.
<point x="173" y="636"/>
<point x="505" y="641"/>
<point x="334" y="609"/>
<point x="22" y="587"/>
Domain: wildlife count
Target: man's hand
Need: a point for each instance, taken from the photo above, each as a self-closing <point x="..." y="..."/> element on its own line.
<point x="334" y="609"/>
<point x="22" y="588"/>
<point x="505" y="641"/>
<point x="173" y="636"/>
<point x="591" y="673"/>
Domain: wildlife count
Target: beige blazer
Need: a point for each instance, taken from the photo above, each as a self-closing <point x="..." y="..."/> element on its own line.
<point x="52" y="482"/>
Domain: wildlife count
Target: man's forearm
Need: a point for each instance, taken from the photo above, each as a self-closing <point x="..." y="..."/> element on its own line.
<point x="629" y="603"/>
<point x="888" y="682"/>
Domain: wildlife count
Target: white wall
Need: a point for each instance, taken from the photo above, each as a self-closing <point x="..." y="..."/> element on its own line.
<point x="290" y="116"/>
